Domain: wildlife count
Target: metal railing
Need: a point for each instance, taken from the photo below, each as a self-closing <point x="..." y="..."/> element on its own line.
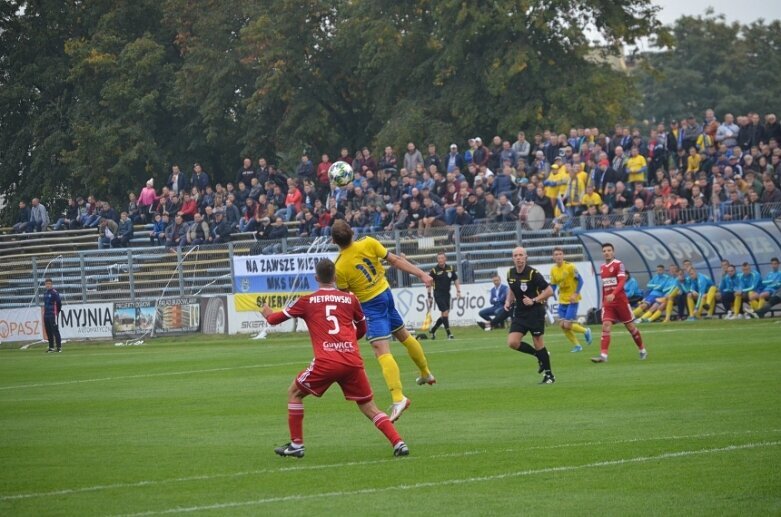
<point x="132" y="274"/>
<point x="723" y="212"/>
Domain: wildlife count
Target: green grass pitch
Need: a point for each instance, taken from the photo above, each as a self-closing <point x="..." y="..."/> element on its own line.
<point x="188" y="425"/>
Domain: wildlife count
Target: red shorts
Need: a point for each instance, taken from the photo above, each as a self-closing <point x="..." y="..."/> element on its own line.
<point x="617" y="313"/>
<point x="319" y="376"/>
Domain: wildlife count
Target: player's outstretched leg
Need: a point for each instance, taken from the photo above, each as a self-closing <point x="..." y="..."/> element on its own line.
<point x="604" y="343"/>
<point x="385" y="426"/>
<point x="392" y="375"/>
<point x="573" y="340"/>
<point x="415" y="351"/>
<point x="514" y="342"/>
<point x="569" y="328"/>
<point x="638" y="339"/>
<point x="295" y="422"/>
<point x="544" y="359"/>
<point x="435" y="327"/>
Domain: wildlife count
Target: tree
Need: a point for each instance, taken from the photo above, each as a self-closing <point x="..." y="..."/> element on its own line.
<point x="35" y="98"/>
<point x="727" y="67"/>
<point x="95" y="97"/>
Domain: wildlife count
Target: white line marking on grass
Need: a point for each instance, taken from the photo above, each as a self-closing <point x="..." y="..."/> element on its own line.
<point x="461" y="481"/>
<point x="208" y="477"/>
<point x="189" y="372"/>
<point x="147" y="375"/>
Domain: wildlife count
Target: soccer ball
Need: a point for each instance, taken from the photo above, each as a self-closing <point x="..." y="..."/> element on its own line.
<point x="340" y="173"/>
<point x="582" y="320"/>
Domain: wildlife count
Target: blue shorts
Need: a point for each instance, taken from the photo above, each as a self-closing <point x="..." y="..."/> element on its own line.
<point x="382" y="318"/>
<point x="568" y="311"/>
<point x="652" y="296"/>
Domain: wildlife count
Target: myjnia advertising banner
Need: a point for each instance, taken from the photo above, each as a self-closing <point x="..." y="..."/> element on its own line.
<point x="86" y="321"/>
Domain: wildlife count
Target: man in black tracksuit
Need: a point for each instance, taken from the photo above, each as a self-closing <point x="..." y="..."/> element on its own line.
<point x="52" y="305"/>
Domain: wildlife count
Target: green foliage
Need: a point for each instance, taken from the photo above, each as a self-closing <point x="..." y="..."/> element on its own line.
<point x="727" y="67"/>
<point x="97" y="96"/>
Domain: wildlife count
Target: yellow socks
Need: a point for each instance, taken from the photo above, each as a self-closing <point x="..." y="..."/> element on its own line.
<point x="577" y="327"/>
<point x="668" y="310"/>
<point x="416" y="353"/>
<point x="655" y="316"/>
<point x="638" y="310"/>
<point x="737" y="304"/>
<point x="390" y="370"/>
<point x="711" y="300"/>
<point x="571" y="337"/>
<point x="690" y="305"/>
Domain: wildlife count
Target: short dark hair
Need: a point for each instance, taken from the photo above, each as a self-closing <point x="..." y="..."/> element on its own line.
<point x="558" y="248"/>
<point x="325" y="270"/>
<point x="774" y="259"/>
<point x="608" y="245"/>
<point x="341" y="233"/>
<point x="48" y="281"/>
<point x="441" y="252"/>
<point x="745" y="264"/>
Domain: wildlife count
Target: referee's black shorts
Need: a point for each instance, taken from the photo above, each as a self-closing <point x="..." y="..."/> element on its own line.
<point x="533" y="324"/>
<point x="442" y="300"/>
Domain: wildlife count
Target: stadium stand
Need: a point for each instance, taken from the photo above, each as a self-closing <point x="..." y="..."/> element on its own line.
<point x="475" y="205"/>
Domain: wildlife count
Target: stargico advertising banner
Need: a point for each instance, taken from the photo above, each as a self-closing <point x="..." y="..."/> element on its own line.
<point x="274" y="280"/>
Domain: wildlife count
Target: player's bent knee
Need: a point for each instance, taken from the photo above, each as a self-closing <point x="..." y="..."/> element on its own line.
<point x="369" y="409"/>
<point x="294" y="393"/>
<point x="402" y="334"/>
<point x="380" y="347"/>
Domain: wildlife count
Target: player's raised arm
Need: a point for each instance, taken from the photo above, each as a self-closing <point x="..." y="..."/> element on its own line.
<point x="275" y="318"/>
<point x="408" y="267"/>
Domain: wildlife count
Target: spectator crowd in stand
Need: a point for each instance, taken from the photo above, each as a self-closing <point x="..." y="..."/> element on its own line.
<point x="689" y="171"/>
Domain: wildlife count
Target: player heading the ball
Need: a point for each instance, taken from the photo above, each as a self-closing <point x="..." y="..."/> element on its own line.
<point x="359" y="269"/>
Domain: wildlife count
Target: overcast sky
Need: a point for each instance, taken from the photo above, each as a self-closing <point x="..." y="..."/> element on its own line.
<point x="742" y="11"/>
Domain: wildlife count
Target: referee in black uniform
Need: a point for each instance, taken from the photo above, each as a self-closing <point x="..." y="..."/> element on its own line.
<point x="444" y="276"/>
<point x="528" y="291"/>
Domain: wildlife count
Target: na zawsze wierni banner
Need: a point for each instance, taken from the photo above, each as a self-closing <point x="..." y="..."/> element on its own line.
<point x="271" y="279"/>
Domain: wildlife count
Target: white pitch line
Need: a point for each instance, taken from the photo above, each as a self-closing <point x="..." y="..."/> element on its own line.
<point x="147" y="375"/>
<point x="461" y="481"/>
<point x="208" y="477"/>
<point x="188" y="372"/>
<point x="163" y="374"/>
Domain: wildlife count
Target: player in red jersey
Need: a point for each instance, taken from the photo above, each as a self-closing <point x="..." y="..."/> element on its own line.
<point x="615" y="305"/>
<point x="336" y="323"/>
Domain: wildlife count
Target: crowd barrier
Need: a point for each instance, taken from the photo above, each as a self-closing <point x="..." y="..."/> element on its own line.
<point x="223" y="314"/>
